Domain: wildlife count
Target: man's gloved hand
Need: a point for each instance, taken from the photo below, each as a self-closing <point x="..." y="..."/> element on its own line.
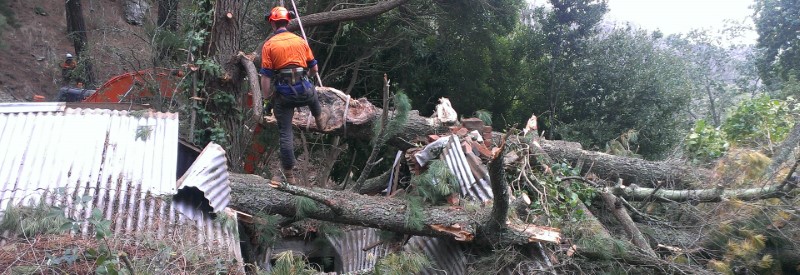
<point x="267" y="105"/>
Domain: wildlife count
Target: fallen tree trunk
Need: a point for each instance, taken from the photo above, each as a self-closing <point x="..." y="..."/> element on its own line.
<point x="637" y="193"/>
<point x="361" y="115"/>
<point x="630" y="170"/>
<point x="360" y="118"/>
<point x="252" y="194"/>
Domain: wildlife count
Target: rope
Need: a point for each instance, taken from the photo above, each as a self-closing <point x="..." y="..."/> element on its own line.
<point x="303" y="31"/>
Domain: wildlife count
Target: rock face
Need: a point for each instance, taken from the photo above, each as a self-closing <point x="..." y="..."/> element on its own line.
<point x="135" y="11"/>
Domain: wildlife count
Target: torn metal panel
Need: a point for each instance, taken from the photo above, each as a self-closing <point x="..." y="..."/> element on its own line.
<point x="470" y="187"/>
<point x="206" y="182"/>
<point x="122" y="163"/>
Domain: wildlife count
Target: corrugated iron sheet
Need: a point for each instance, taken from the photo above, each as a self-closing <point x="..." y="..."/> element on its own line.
<point x="123" y="163"/>
<point x="349" y="249"/>
<point x="469" y="186"/>
<point x="208" y="175"/>
<point x="26" y="107"/>
<point x="446" y="255"/>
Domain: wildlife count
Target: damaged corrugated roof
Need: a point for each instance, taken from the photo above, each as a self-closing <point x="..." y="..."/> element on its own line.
<point x="50" y="148"/>
<point x="123" y="163"/>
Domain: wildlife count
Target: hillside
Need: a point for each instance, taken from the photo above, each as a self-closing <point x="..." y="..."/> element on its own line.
<point x="36" y="44"/>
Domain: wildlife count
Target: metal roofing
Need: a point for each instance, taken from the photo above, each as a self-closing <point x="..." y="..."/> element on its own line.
<point x="209" y="175"/>
<point x="123" y="163"/>
<point x="48" y="149"/>
<point x="469" y="186"/>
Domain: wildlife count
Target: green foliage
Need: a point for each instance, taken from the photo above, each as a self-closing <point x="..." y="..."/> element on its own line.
<point x="415" y="218"/>
<point x="562" y="197"/>
<point x="625" y="81"/>
<point x="777" y="27"/>
<point x="704" y="143"/>
<point x="290" y="264"/>
<point x="436" y="183"/>
<point x="304" y="206"/>
<point x="30" y="221"/>
<point x="266" y="229"/>
<point x="401" y="263"/>
<point x="484" y="116"/>
<point x="761" y="121"/>
<point x="396" y="121"/>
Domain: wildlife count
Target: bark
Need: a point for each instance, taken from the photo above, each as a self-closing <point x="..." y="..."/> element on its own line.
<point x="361" y="116"/>
<point x="76" y="29"/>
<point x="224" y="44"/>
<point x="253" y="194"/>
<point x="637" y="193"/>
<point x="630" y="170"/>
<point x="255" y="85"/>
<point x="321" y="18"/>
<point x="615" y="207"/>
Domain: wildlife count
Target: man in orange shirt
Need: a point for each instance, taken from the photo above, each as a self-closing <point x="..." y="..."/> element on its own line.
<point x="286" y="64"/>
<point x="67" y="69"/>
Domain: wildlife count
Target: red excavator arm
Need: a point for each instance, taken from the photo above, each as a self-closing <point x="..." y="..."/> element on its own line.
<point x="138" y="87"/>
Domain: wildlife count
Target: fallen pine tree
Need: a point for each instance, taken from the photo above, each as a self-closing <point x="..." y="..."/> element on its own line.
<point x="633" y="179"/>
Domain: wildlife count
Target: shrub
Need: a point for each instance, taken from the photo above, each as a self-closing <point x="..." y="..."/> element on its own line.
<point x="704" y="143"/>
<point x="760" y="122"/>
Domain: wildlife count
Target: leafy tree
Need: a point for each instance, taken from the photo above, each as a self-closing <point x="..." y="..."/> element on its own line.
<point x="761" y="122"/>
<point x="777" y="26"/>
<point x="567" y="27"/>
<point x="717" y="74"/>
<point x="626" y="81"/>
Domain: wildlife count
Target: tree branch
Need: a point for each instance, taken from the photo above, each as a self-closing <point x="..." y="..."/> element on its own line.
<point x="321" y="18"/>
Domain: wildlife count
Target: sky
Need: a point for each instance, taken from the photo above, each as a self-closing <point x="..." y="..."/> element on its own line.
<point x="681" y="16"/>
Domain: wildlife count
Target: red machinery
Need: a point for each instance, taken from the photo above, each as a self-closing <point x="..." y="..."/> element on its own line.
<point x="138" y="87"/>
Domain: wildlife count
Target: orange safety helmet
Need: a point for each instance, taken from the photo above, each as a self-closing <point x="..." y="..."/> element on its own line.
<point x="279" y="13"/>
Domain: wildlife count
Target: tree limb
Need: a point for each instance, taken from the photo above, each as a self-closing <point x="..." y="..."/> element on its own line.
<point x="616" y="208"/>
<point x="321" y="18"/>
<point x="251" y="194"/>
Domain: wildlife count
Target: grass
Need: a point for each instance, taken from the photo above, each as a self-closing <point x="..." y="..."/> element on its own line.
<point x="40" y="242"/>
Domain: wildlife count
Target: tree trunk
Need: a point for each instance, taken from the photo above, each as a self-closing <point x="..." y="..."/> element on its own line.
<point x="76" y="29"/>
<point x="615" y="207"/>
<point x="253" y="194"/>
<point x="637" y="193"/>
<point x="630" y="170"/>
<point x="224" y="44"/>
<point x="167" y="22"/>
<point x="361" y="115"/>
<point x="321" y="18"/>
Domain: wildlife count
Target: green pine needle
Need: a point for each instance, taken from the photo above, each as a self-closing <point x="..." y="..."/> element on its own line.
<point x="304" y="206"/>
<point x="406" y="262"/>
<point x="414" y="216"/>
<point x="485" y="116"/>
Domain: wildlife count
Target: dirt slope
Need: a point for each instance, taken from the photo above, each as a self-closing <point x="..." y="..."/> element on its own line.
<point x="32" y="51"/>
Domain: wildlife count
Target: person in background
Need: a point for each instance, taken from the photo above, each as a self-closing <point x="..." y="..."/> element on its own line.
<point x="67" y="69"/>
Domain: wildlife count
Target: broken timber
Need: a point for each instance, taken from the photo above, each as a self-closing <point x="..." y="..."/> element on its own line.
<point x="252" y="194"/>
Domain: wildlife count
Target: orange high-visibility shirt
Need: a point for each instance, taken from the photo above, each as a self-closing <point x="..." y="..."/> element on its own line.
<point x="285" y="49"/>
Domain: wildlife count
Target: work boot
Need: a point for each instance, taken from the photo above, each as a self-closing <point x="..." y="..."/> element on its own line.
<point x="322" y="121"/>
<point x="290" y="176"/>
<point x="277" y="178"/>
